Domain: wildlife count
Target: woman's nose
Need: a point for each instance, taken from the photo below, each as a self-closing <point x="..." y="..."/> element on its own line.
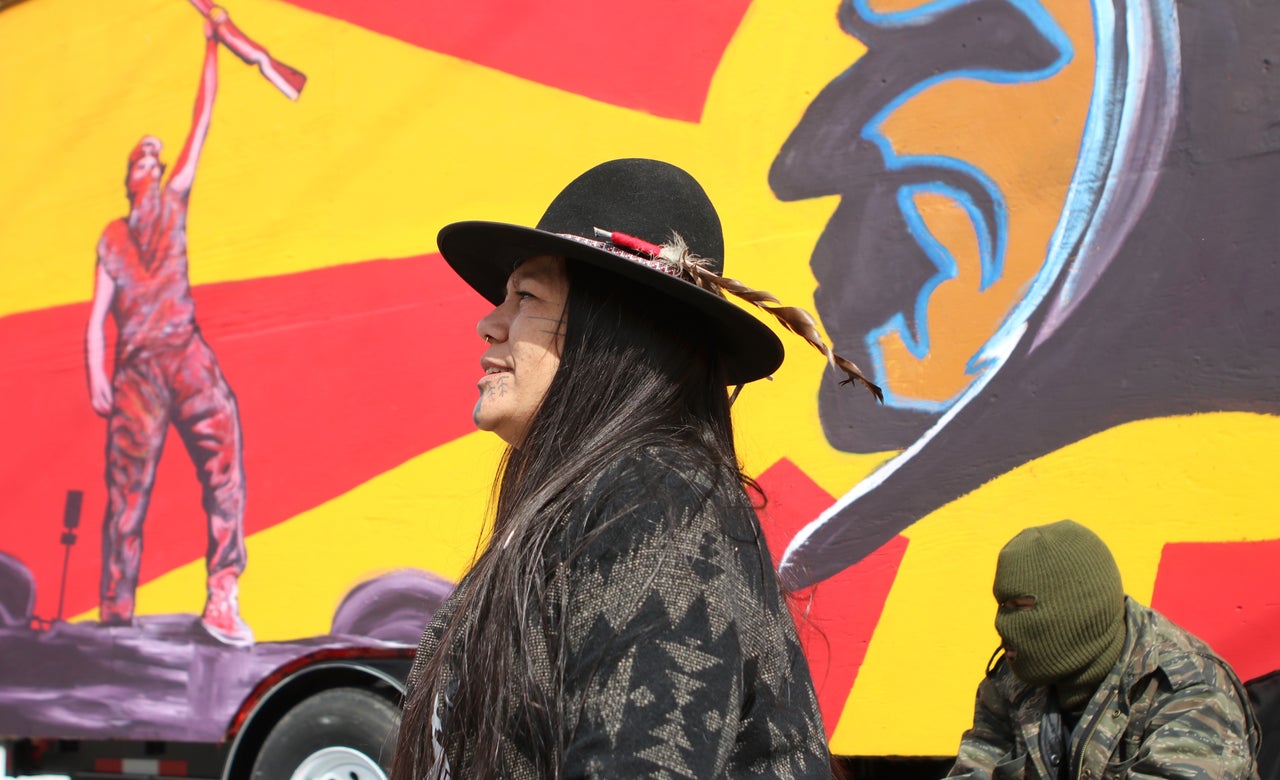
<point x="492" y="327"/>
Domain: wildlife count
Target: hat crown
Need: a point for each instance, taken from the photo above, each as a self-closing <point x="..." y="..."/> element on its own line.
<point x="648" y="199"/>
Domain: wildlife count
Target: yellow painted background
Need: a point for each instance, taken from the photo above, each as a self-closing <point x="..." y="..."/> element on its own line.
<point x="388" y="143"/>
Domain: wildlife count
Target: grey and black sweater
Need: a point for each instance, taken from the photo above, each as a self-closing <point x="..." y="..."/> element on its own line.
<point x="681" y="657"/>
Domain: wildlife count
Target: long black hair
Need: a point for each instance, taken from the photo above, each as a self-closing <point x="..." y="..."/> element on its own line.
<point x="635" y="373"/>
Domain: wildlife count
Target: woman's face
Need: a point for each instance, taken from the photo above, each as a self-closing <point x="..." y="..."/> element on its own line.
<point x="525" y="334"/>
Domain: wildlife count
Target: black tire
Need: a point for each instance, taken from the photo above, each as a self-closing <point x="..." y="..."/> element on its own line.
<point x="318" y="728"/>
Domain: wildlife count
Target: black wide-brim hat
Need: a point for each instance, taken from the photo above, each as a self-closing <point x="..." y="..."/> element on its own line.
<point x="647" y="199"/>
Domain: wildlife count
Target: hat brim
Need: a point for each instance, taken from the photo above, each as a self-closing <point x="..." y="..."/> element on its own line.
<point x="485" y="253"/>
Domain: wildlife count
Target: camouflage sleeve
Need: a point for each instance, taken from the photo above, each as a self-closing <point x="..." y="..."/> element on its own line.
<point x="1203" y="730"/>
<point x="990" y="739"/>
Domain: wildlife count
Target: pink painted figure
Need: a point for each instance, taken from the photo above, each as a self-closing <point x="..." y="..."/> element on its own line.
<point x="164" y="373"/>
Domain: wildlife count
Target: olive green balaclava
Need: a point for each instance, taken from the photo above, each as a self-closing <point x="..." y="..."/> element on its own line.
<point x="1074" y="633"/>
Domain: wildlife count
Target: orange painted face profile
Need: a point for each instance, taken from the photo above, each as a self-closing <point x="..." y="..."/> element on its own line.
<point x="525" y="334"/>
<point x="953" y="151"/>
<point x="1024" y="140"/>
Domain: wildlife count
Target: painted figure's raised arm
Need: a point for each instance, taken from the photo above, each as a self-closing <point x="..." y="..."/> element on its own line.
<point x="184" y="172"/>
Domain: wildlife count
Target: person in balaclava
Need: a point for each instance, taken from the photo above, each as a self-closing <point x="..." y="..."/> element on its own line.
<point x="1061" y="615"/>
<point x="1093" y="685"/>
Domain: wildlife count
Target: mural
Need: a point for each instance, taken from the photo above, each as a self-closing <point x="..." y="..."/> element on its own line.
<point x="1144" y="302"/>
<point x="164" y="373"/>
<point x="1045" y="225"/>
<point x="1012" y="311"/>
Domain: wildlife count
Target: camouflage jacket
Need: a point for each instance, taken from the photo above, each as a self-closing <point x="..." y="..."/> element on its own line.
<point x="1170" y="708"/>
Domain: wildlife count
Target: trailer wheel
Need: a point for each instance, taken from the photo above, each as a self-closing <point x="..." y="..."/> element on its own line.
<point x="339" y="734"/>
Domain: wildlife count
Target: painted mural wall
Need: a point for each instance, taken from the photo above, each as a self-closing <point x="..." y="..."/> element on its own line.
<point x="236" y="381"/>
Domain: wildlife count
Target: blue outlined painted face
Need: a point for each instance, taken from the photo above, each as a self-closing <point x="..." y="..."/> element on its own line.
<point x="947" y="202"/>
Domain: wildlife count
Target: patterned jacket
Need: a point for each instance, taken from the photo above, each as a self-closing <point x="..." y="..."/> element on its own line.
<point x="1170" y="708"/>
<point x="682" y="659"/>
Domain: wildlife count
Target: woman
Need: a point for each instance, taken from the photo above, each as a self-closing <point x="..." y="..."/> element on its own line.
<point x="625" y="619"/>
